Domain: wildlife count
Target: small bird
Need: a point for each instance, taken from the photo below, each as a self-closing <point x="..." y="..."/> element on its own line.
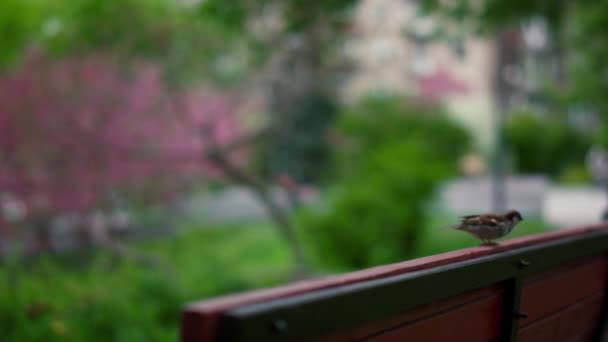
<point x="488" y="227"/>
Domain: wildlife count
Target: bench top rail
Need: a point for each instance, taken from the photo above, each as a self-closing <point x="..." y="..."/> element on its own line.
<point x="321" y="307"/>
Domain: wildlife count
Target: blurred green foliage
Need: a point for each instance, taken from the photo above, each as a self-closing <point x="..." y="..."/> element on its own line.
<point x="298" y="144"/>
<point x="493" y="14"/>
<point x="588" y="57"/>
<point x="396" y="156"/>
<point x="576" y="38"/>
<point x="300" y="15"/>
<point x="379" y="121"/>
<point x="101" y="298"/>
<point x="377" y="214"/>
<point x="19" y="20"/>
<point x="544" y="144"/>
<point x="302" y="42"/>
<point x="575" y="174"/>
<point x="165" y="31"/>
<point x="142" y="27"/>
<point x="317" y="24"/>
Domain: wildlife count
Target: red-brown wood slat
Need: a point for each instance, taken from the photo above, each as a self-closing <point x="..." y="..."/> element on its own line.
<point x="419" y="314"/>
<point x="548" y="293"/>
<point x="572" y="323"/>
<point x="585" y="336"/>
<point x="477" y="321"/>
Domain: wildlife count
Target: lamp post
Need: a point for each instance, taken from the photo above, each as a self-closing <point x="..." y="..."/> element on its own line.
<point x="501" y="95"/>
<point x="507" y="82"/>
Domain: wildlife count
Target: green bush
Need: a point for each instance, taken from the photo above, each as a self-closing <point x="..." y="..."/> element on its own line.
<point x="575" y="174"/>
<point x="298" y="143"/>
<point x="379" y="121"/>
<point x="544" y="144"/>
<point x="101" y="298"/>
<point x="377" y="215"/>
<point x="396" y="156"/>
<point x="52" y="303"/>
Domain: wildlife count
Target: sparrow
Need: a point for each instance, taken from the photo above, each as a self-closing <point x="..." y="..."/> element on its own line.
<point x="488" y="227"/>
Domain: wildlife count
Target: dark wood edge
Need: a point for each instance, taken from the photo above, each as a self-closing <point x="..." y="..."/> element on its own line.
<point x="600" y="332"/>
<point x="425" y="312"/>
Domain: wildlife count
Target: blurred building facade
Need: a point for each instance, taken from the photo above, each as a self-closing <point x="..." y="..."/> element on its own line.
<point x="394" y="50"/>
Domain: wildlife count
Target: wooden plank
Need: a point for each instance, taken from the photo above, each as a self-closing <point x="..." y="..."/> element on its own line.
<point x="421" y="313"/>
<point x="477" y="321"/>
<point x="585" y="336"/>
<point x="544" y="295"/>
<point x="575" y="322"/>
<point x="199" y="320"/>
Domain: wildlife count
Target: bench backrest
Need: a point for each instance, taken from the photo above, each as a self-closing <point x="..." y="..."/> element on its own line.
<point x="548" y="287"/>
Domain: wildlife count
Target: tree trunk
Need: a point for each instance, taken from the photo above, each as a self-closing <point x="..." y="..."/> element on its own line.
<point x="508" y="55"/>
<point x="42" y="235"/>
<point x="275" y="212"/>
<point x="282" y="221"/>
<point x="295" y="77"/>
<point x="501" y="97"/>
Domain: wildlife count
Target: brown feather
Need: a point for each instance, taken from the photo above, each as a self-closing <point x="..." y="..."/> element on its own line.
<point x="485" y="219"/>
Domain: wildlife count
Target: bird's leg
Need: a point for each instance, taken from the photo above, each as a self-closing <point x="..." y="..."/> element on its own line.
<point x="488" y="243"/>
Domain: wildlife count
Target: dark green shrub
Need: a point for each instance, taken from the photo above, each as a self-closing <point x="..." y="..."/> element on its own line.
<point x="103" y="303"/>
<point x="575" y="174"/>
<point x="394" y="158"/>
<point x="377" y="215"/>
<point x="101" y="298"/>
<point x="380" y="121"/>
<point x="544" y="144"/>
<point x="298" y="143"/>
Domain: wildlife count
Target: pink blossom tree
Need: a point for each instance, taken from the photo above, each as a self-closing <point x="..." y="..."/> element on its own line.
<point x="74" y="129"/>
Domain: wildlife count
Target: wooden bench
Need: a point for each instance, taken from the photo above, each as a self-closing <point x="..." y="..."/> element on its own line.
<point x="548" y="287"/>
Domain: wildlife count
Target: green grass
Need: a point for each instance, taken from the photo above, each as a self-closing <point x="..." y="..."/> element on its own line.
<point x="211" y="261"/>
<point x="100" y="298"/>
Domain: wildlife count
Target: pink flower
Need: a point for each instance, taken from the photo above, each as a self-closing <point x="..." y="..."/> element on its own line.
<point x="74" y="129"/>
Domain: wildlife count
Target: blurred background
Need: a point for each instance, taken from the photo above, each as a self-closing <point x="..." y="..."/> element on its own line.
<point x="156" y="152"/>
